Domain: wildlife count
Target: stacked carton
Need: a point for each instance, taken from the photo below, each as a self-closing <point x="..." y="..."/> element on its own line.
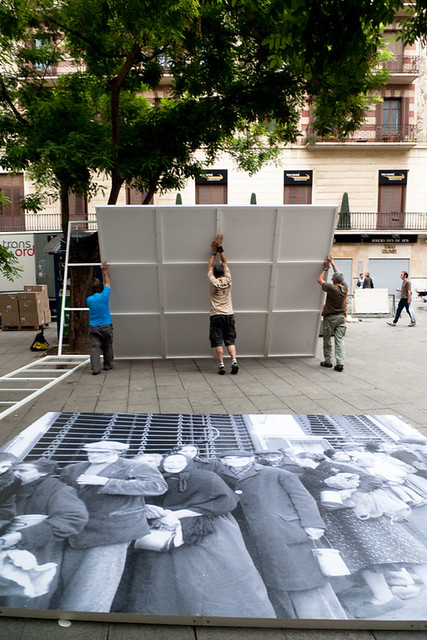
<point x="29" y="308"/>
<point x="9" y="310"/>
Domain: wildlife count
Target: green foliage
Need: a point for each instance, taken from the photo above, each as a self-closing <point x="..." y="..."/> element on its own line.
<point x="414" y="22"/>
<point x="237" y="67"/>
<point x="9" y="264"/>
<point x="344" y="221"/>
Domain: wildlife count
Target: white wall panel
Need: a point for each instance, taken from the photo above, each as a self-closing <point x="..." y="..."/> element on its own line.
<point x="137" y="336"/>
<point x="187" y="333"/>
<point x="185" y="288"/>
<point x="160" y="296"/>
<point x="303" y="230"/>
<point x="294" y="333"/>
<point x="134" y="293"/>
<point x="289" y="294"/>
<point x="252" y="333"/>
<point x="131" y="236"/>
<point x="251" y="291"/>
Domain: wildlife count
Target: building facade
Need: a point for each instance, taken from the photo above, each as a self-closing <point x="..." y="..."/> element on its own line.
<point x="382" y="168"/>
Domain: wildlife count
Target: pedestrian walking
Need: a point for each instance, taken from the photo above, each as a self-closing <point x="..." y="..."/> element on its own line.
<point x="404" y="302"/>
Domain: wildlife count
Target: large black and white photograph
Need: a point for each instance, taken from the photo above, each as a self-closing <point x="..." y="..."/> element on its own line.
<point x="263" y="517"/>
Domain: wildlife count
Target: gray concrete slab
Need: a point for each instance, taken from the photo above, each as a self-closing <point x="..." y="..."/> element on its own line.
<point x="384" y="373"/>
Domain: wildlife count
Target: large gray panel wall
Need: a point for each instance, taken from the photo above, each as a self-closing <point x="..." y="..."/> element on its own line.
<point x="160" y="294"/>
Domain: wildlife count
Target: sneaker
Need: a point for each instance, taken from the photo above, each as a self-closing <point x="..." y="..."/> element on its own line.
<point x="326" y="364"/>
<point x="108" y="367"/>
<point x="413" y="324"/>
<point x="392" y="324"/>
<point x="234" y="367"/>
<point x="221" y="370"/>
<point x="96" y="373"/>
<point x="339" y="367"/>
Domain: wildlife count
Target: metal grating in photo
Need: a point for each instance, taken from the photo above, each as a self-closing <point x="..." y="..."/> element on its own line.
<point x="143" y="432"/>
<point x="255" y="519"/>
<point x="339" y="429"/>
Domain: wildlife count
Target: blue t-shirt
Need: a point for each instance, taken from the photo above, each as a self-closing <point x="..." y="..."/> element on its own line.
<point x="99" y="308"/>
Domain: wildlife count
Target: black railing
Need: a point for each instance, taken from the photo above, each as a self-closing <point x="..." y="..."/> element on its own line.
<point x="402" y="64"/>
<point x="367" y="133"/>
<point x="370" y="221"/>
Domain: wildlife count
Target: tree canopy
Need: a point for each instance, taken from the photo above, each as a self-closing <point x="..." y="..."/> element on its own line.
<point x="240" y="72"/>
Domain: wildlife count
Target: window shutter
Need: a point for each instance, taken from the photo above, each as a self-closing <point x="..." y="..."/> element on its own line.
<point x="297" y="194"/>
<point x="211" y="194"/>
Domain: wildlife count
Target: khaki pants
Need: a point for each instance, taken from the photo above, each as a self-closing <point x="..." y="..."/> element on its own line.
<point x="334" y="326"/>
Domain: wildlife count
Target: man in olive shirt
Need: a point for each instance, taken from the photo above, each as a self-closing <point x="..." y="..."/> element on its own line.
<point x="333" y="315"/>
<point x="222" y="330"/>
<point x="404" y="302"/>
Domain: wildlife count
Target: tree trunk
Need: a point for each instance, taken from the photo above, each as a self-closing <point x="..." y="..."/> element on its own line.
<point x="153" y="187"/>
<point x="65" y="209"/>
<point x="85" y="250"/>
<point x="116" y="87"/>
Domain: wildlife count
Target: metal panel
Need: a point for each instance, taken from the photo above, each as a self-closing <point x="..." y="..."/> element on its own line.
<point x="294" y="333"/>
<point x="129" y="245"/>
<point x="251" y="294"/>
<point x="186" y="333"/>
<point x="137" y="334"/>
<point x="180" y="297"/>
<point x="289" y="295"/>
<point x="144" y="291"/>
<point x="385" y="272"/>
<point x="160" y="294"/>
<point x="303" y="232"/>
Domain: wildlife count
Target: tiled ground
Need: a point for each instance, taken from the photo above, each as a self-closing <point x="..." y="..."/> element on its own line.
<point x="384" y="374"/>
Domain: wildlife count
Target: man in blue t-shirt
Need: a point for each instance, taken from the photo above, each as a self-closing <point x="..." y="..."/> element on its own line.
<point x="100" y="324"/>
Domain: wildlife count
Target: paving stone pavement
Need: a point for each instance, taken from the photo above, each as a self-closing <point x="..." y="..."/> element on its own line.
<point x="384" y="373"/>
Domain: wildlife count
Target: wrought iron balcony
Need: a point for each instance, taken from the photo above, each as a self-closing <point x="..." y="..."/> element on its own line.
<point x="48" y="222"/>
<point x="372" y="221"/>
<point x="367" y="133"/>
<point x="403" y="64"/>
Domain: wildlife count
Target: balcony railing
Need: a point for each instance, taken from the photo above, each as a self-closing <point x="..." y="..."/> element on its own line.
<point x="354" y="221"/>
<point x="402" y="64"/>
<point x="368" y="133"/>
<point x="371" y="221"/>
<point x="48" y="222"/>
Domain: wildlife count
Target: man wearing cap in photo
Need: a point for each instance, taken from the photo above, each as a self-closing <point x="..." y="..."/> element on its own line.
<point x="277" y="458"/>
<point x="113" y="490"/>
<point x="278" y="519"/>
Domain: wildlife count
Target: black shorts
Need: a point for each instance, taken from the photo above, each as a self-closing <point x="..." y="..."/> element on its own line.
<point x="222" y="330"/>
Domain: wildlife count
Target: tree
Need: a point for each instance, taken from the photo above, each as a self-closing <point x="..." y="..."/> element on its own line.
<point x="344" y="221"/>
<point x="240" y="72"/>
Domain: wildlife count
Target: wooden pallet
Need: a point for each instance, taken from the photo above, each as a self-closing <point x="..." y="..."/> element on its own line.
<point x="19" y="327"/>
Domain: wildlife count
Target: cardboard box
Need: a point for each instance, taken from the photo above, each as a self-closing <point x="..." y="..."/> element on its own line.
<point x="36" y="287"/>
<point x="31" y="308"/>
<point x="9" y="309"/>
<point x="40" y="289"/>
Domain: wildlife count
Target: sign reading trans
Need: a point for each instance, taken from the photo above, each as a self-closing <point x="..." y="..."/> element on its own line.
<point x="260" y="520"/>
<point x="160" y="294"/>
